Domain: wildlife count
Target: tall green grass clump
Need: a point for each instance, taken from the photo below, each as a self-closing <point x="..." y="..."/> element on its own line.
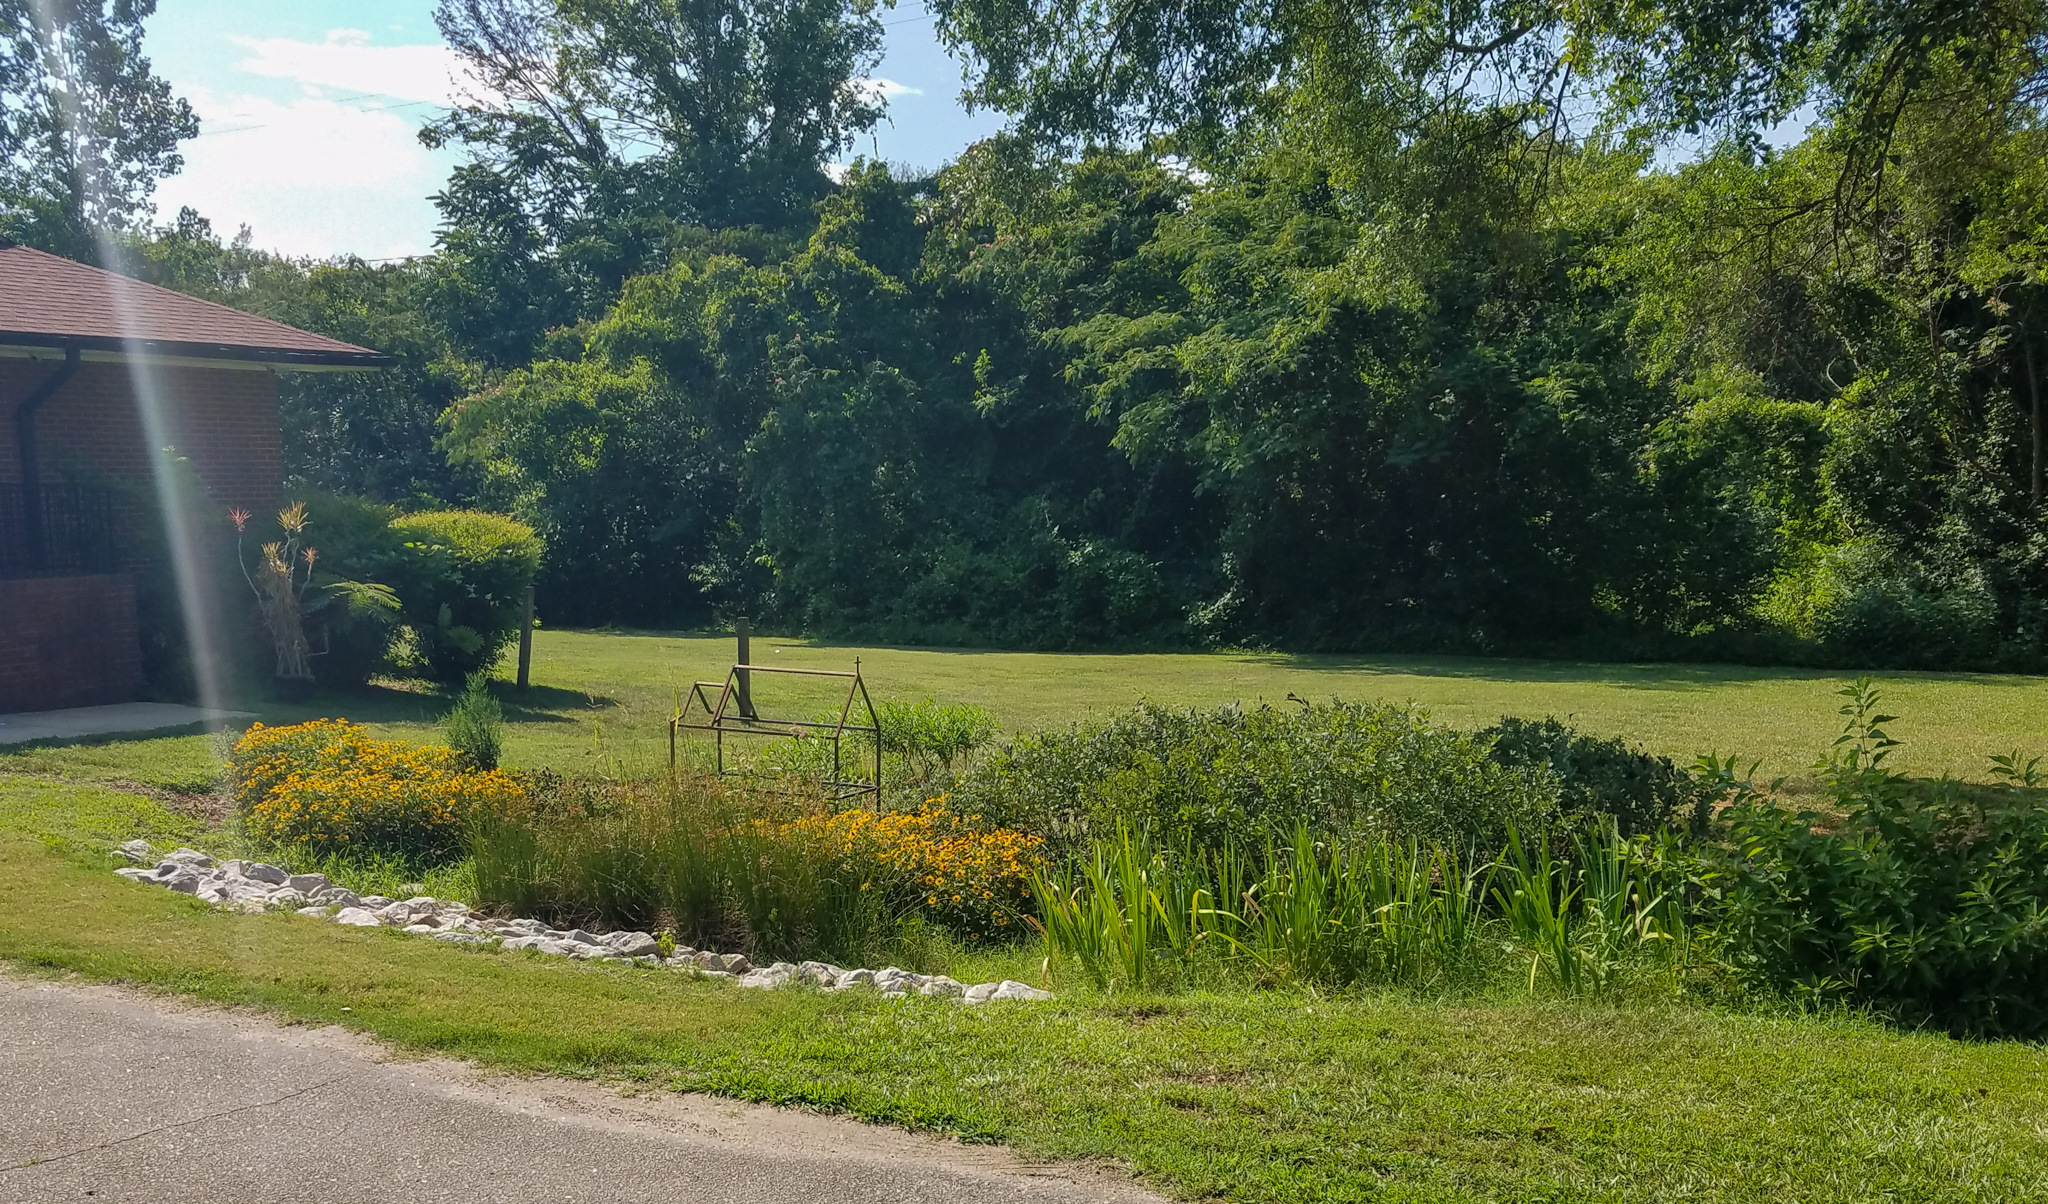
<point x="1374" y="910"/>
<point x="738" y="869"/>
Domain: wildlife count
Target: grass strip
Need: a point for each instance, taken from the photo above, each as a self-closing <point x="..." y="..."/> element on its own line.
<point x="1257" y="1097"/>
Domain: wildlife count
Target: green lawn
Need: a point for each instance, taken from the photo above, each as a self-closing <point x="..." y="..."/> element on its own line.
<point x="601" y="701"/>
<point x="1253" y="1097"/>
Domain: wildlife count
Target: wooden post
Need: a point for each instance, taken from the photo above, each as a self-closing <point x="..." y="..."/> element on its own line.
<point x="526" y="640"/>
<point x="739" y="627"/>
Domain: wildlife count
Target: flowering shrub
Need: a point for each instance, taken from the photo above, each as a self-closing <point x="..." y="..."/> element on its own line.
<point x="325" y="787"/>
<point x="971" y="879"/>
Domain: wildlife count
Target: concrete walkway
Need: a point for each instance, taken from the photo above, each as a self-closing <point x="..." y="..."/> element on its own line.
<point x="22" y="726"/>
<point x="112" y="1095"/>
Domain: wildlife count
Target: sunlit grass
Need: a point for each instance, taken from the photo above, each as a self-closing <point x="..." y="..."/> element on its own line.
<point x="600" y="701"/>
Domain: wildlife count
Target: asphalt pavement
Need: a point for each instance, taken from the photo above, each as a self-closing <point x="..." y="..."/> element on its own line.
<point x="109" y="1094"/>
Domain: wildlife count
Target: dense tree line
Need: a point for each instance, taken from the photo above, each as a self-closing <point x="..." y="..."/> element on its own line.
<point x="1500" y="327"/>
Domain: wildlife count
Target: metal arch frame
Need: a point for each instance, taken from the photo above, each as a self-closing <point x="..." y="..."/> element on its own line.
<point x="729" y="715"/>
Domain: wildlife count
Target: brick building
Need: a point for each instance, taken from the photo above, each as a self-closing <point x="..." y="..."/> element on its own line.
<point x="98" y="374"/>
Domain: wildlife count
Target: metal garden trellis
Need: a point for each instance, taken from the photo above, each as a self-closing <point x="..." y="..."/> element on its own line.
<point x="731" y="712"/>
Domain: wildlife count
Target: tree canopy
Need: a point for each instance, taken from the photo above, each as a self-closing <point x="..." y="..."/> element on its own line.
<point x="1711" y="329"/>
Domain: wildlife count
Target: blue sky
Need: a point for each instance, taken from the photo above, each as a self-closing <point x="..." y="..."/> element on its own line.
<point x="309" y="110"/>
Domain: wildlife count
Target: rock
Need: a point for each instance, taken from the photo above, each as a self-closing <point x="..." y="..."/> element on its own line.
<point x="336" y="896"/>
<point x="724" y="963"/>
<point x="781" y="974"/>
<point x="317" y="912"/>
<point x="358" y="917"/>
<point x="137" y="874"/>
<point x="374" y="902"/>
<point x="256" y="871"/>
<point x="287" y="898"/>
<point x="581" y="937"/>
<point x="541" y="944"/>
<point x="979" y="992"/>
<point x="213" y="892"/>
<point x="854" y="978"/>
<point x="822" y="974"/>
<point x="1010" y="988"/>
<point x="184" y="882"/>
<point x="461" y="938"/>
<point x="895" y="978"/>
<point x="528" y="927"/>
<point x="715" y="974"/>
<point x="420" y="929"/>
<point x="308" y="884"/>
<point x="135" y="851"/>
<point x="632" y="944"/>
<point x="400" y="915"/>
<point x="191" y="858"/>
<point x="247" y="907"/>
<point x="940" y="985"/>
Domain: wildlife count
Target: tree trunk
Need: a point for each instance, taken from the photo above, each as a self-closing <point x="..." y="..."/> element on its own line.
<point x="2034" y="388"/>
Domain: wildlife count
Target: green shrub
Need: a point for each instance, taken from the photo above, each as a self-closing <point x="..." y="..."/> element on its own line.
<point x="1602" y="778"/>
<point x="931" y="741"/>
<point x="1927" y="900"/>
<point x="357" y="543"/>
<point x="462" y="578"/>
<point x="475" y="725"/>
<point x="1238" y="776"/>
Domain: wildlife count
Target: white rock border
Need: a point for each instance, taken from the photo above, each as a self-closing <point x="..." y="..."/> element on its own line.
<point x="252" y="886"/>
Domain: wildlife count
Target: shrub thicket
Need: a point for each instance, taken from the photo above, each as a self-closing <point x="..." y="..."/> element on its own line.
<point x="1602" y="778"/>
<point x="462" y="580"/>
<point x="1238" y="775"/>
<point x="324" y="789"/>
<point x="1927" y="900"/>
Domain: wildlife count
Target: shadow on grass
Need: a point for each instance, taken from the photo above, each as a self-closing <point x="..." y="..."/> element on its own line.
<point x="1660" y="676"/>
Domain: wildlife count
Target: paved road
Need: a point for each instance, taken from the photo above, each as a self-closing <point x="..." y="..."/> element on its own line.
<point x="107" y="1095"/>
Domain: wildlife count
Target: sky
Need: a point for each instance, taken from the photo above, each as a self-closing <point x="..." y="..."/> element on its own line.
<point x="310" y="111"/>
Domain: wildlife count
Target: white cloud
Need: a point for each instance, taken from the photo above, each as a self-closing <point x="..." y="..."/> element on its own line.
<point x="883" y="89"/>
<point x="346" y="60"/>
<point x="309" y="176"/>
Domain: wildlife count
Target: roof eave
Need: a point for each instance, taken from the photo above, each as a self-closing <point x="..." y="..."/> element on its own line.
<point x="278" y="357"/>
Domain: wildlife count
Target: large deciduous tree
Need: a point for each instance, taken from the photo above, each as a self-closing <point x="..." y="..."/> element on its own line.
<point x="598" y="127"/>
<point x="86" y="125"/>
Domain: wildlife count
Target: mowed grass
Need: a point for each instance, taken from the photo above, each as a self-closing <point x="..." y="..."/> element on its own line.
<point x="1255" y="1097"/>
<point x="601" y="701"/>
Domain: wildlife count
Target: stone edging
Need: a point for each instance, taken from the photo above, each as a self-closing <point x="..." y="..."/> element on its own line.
<point x="252" y="886"/>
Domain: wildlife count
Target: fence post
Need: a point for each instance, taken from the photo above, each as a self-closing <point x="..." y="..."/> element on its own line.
<point x="526" y="640"/>
<point x="739" y="626"/>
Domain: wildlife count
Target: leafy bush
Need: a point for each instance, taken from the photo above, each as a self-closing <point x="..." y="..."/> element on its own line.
<point x="462" y="579"/>
<point x="325" y="788"/>
<point x="1928" y="900"/>
<point x="931" y="740"/>
<point x="740" y="870"/>
<point x="1237" y="776"/>
<point x="1602" y="778"/>
<point x="475" y="724"/>
<point x="356" y="542"/>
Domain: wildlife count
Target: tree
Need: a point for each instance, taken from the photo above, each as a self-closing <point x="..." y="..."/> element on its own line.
<point x="598" y="127"/>
<point x="86" y="126"/>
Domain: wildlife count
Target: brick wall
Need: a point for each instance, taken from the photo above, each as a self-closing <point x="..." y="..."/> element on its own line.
<point x="224" y="420"/>
<point x="68" y="642"/>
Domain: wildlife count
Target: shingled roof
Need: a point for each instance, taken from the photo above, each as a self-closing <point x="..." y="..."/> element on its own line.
<point x="46" y="301"/>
